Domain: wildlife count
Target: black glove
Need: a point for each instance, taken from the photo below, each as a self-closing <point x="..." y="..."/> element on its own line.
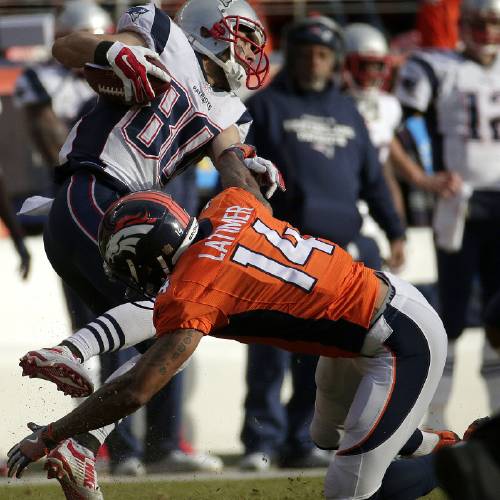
<point x="30" y="449"/>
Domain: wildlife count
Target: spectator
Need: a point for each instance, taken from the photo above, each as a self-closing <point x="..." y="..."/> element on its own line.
<point x="455" y="92"/>
<point x="316" y="136"/>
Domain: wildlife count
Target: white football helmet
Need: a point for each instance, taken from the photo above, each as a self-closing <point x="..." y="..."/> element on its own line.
<point x="480" y="25"/>
<point x="83" y="15"/>
<point x="213" y="26"/>
<point x="367" y="59"/>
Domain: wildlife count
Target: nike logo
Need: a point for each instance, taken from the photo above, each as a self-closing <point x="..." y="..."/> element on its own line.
<point x="34" y="441"/>
<point x="127" y="63"/>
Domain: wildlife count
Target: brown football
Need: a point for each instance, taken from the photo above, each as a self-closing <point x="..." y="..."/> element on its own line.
<point x="108" y="84"/>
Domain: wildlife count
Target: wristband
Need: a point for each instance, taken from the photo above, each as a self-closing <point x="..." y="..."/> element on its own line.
<point x="100" y="53"/>
<point x="242" y="151"/>
<point x="47" y="437"/>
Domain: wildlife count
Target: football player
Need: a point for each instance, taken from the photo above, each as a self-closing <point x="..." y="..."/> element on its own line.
<point x="457" y="93"/>
<point x="367" y="69"/>
<point x="213" y="48"/>
<point x="238" y="273"/>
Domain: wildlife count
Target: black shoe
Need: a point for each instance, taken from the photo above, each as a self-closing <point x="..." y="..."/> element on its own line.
<point x="313" y="459"/>
<point x="468" y="471"/>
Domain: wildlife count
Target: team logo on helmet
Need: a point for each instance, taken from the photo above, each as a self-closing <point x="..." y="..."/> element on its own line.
<point x="125" y="240"/>
<point x="226" y="3"/>
<point x="136" y="12"/>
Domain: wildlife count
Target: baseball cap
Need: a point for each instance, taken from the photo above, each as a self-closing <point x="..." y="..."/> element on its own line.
<point x="319" y="30"/>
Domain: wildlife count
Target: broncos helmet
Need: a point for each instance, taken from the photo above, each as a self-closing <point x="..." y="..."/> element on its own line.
<point x="83" y="15"/>
<point x="213" y="26"/>
<point x="141" y="237"/>
<point x="367" y="60"/>
<point x="480" y="25"/>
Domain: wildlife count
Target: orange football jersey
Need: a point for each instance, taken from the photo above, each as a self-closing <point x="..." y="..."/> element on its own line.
<point x="256" y="279"/>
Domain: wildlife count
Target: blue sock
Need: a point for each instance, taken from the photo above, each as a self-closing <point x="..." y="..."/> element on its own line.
<point x="408" y="479"/>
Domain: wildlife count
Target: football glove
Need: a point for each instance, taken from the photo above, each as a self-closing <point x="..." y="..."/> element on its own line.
<point x="130" y="64"/>
<point x="268" y="174"/>
<point x="30" y="449"/>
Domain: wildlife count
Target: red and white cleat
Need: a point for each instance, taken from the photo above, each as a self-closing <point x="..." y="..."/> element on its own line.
<point x="58" y="365"/>
<point x="74" y="467"/>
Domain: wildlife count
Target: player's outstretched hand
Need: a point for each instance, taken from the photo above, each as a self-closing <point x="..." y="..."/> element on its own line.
<point x="269" y="174"/>
<point x="30" y="449"/>
<point x="131" y="65"/>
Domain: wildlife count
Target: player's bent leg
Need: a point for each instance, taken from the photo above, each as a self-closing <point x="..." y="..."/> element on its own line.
<point x="121" y="327"/>
<point x="60" y="366"/>
<point x="337" y="380"/>
<point x="387" y="408"/>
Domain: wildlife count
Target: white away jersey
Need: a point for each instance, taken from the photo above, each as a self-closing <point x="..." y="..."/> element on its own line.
<point x="145" y="146"/>
<point x="53" y="84"/>
<point x="382" y="114"/>
<point x="465" y="98"/>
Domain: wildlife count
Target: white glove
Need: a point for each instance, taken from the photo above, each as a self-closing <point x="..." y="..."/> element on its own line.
<point x="131" y="66"/>
<point x="270" y="175"/>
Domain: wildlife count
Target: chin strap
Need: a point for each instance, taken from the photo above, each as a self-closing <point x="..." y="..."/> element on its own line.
<point x="235" y="73"/>
<point x="191" y="233"/>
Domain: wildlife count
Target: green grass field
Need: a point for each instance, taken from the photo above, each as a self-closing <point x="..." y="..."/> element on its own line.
<point x="303" y="488"/>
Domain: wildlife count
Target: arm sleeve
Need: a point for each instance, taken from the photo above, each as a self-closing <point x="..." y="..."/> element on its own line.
<point x="172" y="314"/>
<point x="149" y="22"/>
<point x="30" y="89"/>
<point x="375" y="192"/>
<point x="244" y="122"/>
<point x="413" y="87"/>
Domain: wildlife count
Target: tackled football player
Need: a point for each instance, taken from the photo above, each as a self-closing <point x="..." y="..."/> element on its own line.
<point x="114" y="150"/>
<point x="212" y="49"/>
<point x="238" y="273"/>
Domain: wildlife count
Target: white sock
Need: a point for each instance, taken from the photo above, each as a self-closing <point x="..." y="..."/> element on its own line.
<point x="123" y="326"/>
<point x="429" y="441"/>
<point x="102" y="433"/>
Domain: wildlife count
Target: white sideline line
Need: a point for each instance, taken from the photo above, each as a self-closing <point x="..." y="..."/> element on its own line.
<point x="202" y="476"/>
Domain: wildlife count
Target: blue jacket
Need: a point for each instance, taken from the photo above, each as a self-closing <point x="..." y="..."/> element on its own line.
<point x="320" y="143"/>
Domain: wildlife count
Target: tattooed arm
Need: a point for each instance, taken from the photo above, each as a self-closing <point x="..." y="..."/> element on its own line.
<point x="127" y="393"/>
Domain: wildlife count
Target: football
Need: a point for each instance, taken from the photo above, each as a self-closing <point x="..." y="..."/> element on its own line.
<point x="109" y="85"/>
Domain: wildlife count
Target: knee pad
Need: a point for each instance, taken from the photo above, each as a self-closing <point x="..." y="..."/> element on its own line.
<point x="324" y="436"/>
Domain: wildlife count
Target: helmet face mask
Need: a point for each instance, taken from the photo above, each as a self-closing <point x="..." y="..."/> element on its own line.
<point x="367" y="61"/>
<point x="219" y="30"/>
<point x="141" y="237"/>
<point x="237" y="30"/>
<point x="368" y="71"/>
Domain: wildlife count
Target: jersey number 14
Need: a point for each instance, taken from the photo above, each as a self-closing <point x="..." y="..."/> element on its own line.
<point x="297" y="253"/>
